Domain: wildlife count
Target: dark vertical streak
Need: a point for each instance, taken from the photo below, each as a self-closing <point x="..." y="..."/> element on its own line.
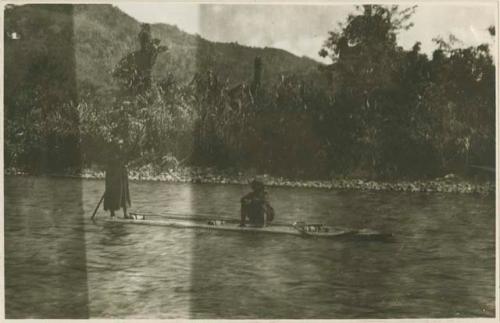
<point x="45" y="256"/>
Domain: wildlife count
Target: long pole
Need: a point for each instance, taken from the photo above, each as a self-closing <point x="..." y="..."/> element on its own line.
<point x="97" y="207"/>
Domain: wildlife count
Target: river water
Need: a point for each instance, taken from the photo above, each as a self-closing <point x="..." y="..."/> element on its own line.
<point x="59" y="264"/>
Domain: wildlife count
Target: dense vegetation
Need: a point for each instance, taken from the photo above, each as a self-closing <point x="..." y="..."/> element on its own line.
<point x="376" y="111"/>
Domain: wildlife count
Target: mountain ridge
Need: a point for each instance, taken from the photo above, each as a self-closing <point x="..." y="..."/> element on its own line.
<point x="103" y="35"/>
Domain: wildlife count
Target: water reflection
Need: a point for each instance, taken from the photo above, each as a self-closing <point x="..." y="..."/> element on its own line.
<point x="258" y="276"/>
<point x="440" y="265"/>
<point x="114" y="235"/>
<point x="45" y="255"/>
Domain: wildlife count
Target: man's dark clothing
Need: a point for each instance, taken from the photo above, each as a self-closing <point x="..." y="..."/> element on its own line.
<point x="255" y="207"/>
<point x="116" y="194"/>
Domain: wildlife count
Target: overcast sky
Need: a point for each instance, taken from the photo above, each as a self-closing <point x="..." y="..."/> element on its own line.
<point x="301" y="29"/>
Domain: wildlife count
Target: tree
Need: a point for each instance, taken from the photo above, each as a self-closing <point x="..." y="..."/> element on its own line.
<point x="133" y="72"/>
<point x="366" y="62"/>
<point x="461" y="100"/>
<point x="129" y="127"/>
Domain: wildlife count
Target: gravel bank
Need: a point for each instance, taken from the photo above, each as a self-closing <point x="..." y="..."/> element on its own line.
<point x="448" y="184"/>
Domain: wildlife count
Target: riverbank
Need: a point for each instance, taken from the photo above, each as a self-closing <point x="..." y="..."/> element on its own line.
<point x="447" y="184"/>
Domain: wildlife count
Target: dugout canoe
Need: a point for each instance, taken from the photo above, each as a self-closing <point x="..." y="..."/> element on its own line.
<point x="300" y="228"/>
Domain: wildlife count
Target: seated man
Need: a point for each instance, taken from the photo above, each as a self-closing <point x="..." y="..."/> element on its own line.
<point x="255" y="207"/>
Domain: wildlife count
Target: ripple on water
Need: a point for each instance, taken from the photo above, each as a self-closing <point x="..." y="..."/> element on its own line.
<point x="440" y="265"/>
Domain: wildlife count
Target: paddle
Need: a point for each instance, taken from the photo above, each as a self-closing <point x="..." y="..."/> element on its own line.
<point x="97" y="207"/>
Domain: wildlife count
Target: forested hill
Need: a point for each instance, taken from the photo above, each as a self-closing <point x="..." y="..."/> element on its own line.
<point x="103" y="34"/>
<point x="84" y="83"/>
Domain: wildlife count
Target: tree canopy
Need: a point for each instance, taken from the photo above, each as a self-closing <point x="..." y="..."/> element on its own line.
<point x="386" y="112"/>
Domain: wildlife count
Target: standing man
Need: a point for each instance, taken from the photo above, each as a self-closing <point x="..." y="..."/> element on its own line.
<point x="116" y="193"/>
